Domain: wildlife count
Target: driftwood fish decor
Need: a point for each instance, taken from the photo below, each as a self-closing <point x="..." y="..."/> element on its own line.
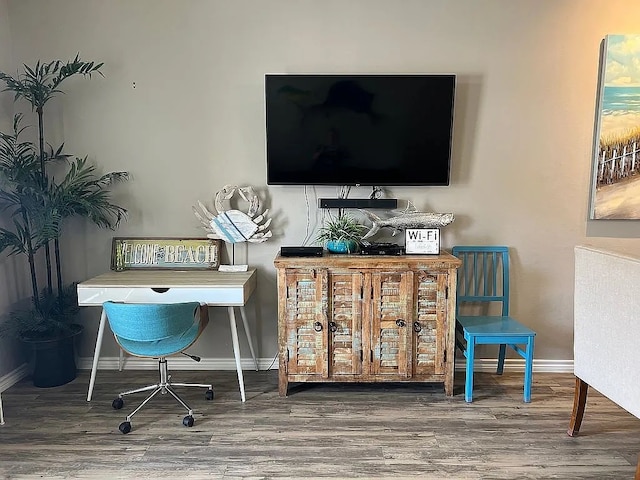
<point x="407" y="219"/>
<point x="235" y="226"/>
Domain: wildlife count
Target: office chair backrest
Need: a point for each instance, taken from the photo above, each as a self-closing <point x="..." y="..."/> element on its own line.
<point x="149" y="322"/>
<point x="483" y="276"/>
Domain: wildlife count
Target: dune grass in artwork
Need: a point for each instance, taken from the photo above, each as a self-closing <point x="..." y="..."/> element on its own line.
<point x="618" y="156"/>
<point x="618" y="141"/>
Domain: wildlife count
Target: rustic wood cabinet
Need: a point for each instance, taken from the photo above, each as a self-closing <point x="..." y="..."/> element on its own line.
<point x="355" y="318"/>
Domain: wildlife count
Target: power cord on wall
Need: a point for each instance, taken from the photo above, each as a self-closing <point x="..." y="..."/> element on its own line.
<point x="273" y="362"/>
<point x="343" y="193"/>
<point x="308" y="229"/>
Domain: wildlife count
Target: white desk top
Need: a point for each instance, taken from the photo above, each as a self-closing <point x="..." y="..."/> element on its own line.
<point x="168" y="286"/>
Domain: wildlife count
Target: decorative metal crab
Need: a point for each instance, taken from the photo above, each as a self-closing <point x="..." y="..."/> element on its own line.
<point x="235" y="226"/>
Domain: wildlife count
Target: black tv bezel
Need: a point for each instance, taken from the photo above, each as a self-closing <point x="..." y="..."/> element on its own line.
<point x="408" y="182"/>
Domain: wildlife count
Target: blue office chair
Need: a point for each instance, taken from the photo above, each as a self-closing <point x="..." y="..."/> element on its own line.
<point x="157" y="331"/>
<point x="483" y="279"/>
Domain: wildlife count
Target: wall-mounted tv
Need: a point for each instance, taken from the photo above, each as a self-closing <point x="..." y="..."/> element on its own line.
<point x="389" y="130"/>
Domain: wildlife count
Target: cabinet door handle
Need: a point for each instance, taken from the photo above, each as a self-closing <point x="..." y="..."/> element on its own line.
<point x="400" y="322"/>
<point x="333" y="326"/>
<point x="317" y="327"/>
<point x="417" y="327"/>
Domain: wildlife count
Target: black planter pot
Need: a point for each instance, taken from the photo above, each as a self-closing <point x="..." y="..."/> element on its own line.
<point x="54" y="359"/>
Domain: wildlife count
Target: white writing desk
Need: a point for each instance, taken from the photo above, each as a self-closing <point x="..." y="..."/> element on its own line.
<point x="216" y="289"/>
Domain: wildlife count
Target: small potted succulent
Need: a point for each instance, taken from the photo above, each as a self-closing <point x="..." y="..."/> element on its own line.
<point x="341" y="234"/>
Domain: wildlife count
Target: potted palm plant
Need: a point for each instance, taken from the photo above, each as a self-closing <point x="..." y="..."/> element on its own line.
<point x="341" y="234"/>
<point x="36" y="205"/>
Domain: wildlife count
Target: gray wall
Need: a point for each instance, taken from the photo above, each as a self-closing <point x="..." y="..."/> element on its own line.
<point x="11" y="269"/>
<point x="527" y="78"/>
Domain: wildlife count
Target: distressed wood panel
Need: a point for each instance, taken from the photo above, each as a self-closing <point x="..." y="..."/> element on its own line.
<point x="391" y="325"/>
<point x="345" y="334"/>
<point x="428" y="326"/>
<point x="304" y="307"/>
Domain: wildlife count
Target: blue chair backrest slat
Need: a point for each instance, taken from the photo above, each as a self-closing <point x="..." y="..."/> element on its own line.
<point x="150" y="322"/>
<point x="484" y="275"/>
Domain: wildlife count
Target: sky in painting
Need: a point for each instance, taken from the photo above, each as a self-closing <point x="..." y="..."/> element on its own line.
<point x="623" y="61"/>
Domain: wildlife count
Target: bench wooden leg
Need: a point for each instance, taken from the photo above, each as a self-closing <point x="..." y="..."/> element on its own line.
<point x="579" y="402"/>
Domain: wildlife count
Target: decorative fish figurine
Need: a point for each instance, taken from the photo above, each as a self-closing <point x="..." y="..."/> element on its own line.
<point x="407" y="220"/>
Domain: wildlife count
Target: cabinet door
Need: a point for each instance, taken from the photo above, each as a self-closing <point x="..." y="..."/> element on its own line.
<point x="305" y="322"/>
<point x="391" y="298"/>
<point x="345" y="323"/>
<point x="429" y="323"/>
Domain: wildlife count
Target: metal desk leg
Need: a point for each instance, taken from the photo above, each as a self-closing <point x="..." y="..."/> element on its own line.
<point x="121" y="360"/>
<point x="243" y="314"/>
<point x="96" y="354"/>
<point x="236" y="350"/>
<point x="1" y="411"/>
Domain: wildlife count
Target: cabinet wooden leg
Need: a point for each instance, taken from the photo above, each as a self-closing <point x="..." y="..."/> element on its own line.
<point x="637" y="477"/>
<point x="448" y="386"/>
<point x="579" y="402"/>
<point x="283" y="383"/>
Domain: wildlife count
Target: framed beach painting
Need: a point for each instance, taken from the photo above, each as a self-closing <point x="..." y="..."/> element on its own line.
<point x="615" y="187"/>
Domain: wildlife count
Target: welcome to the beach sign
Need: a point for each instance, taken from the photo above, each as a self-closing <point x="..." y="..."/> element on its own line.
<point x="165" y="253"/>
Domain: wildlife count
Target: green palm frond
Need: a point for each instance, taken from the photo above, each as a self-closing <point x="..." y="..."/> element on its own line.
<point x="17" y="159"/>
<point x="40" y="83"/>
<point x="13" y="241"/>
<point x="84" y="194"/>
<point x="54" y="316"/>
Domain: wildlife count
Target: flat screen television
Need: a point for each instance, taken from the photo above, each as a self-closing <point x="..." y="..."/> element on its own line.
<point x="372" y="130"/>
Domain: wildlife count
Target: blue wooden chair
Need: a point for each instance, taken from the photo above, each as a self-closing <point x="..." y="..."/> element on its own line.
<point x="483" y="279"/>
<point x="157" y="331"/>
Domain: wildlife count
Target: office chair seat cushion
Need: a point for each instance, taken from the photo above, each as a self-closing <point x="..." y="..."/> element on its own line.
<point x="163" y="347"/>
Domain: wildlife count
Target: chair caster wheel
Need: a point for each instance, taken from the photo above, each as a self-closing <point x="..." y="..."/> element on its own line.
<point x="125" y="427"/>
<point x="188" y="421"/>
<point x="117" y="404"/>
<point x="209" y="394"/>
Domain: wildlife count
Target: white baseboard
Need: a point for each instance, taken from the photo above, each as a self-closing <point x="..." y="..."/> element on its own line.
<point x="177" y="363"/>
<point x="14" y="377"/>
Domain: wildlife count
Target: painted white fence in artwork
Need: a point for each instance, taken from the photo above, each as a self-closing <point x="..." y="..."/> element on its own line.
<point x="618" y="166"/>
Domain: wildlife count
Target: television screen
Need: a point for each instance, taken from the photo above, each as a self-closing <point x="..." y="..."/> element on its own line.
<point x="359" y="129"/>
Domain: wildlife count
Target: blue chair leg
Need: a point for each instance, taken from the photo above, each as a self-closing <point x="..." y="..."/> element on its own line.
<point x="501" y="355"/>
<point x="468" y="385"/>
<point x="528" y="370"/>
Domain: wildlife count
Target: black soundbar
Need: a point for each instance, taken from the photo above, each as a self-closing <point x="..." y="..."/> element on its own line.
<point x="358" y="202"/>
<point x="301" y="251"/>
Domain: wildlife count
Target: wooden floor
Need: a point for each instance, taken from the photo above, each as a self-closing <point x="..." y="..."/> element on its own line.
<point x="393" y="431"/>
